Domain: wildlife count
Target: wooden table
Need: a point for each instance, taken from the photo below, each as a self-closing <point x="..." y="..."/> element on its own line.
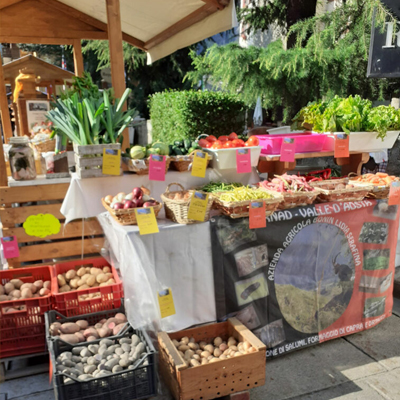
<point x="273" y="165"/>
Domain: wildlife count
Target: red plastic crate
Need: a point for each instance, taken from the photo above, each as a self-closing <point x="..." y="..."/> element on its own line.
<point x="23" y="331"/>
<point x="69" y="304"/>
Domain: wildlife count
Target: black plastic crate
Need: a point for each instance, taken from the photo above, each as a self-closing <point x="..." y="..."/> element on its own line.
<point x="130" y="384"/>
<point x="93" y="318"/>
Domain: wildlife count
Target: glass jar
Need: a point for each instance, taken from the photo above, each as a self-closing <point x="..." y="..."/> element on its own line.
<point x="22" y="159"/>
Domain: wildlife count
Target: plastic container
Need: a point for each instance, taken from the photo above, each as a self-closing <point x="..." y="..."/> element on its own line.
<point x="93" y="319"/>
<point x="129" y="384"/>
<point x="69" y="303"/>
<point x="23" y="331"/>
<point x="305" y="142"/>
<point x="22" y="159"/>
<point x="282" y="130"/>
<point x="226" y="158"/>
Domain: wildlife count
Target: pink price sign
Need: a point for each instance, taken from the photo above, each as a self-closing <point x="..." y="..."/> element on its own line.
<point x="157" y="168"/>
<point x="288" y="150"/>
<point x="243" y="161"/>
<point x="10" y="247"/>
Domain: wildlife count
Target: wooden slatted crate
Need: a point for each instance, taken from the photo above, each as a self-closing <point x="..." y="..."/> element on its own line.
<point x="18" y="203"/>
<point x="217" y="379"/>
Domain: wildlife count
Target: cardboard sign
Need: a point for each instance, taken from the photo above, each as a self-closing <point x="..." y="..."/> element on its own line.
<point x="41" y="225"/>
<point x="243" y="161"/>
<point x="157" y="168"/>
<point x="199" y="164"/>
<point x="341" y="146"/>
<point x="257" y="217"/>
<point x="10" y="246"/>
<point x="394" y="194"/>
<point x="111" y="162"/>
<point x="288" y="150"/>
<point x="166" y="303"/>
<point x="146" y="220"/>
<point x="198" y="206"/>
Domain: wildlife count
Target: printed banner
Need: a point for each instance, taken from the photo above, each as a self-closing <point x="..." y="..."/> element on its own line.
<point x="313" y="274"/>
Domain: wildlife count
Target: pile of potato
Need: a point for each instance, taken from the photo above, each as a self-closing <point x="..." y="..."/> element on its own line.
<point x="17" y="290"/>
<point x="99" y="360"/>
<point x="80" y="331"/>
<point x="84" y="278"/>
<point x="195" y="354"/>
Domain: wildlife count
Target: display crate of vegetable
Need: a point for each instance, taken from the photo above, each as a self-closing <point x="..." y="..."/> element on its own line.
<point x="216" y="187"/>
<point x="85" y="328"/>
<point x="341" y="190"/>
<point x="183" y="163"/>
<point x="235" y="203"/>
<point x="89" y="159"/>
<point x="109" y="369"/>
<point x="122" y="206"/>
<point x="25" y="297"/>
<point x="141" y="167"/>
<point x="86" y="286"/>
<point x="176" y="204"/>
<point x="295" y="190"/>
<point x="380" y="181"/>
<point x="194" y="369"/>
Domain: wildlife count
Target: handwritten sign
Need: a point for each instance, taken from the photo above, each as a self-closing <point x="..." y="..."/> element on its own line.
<point x="199" y="164"/>
<point x="166" y="303"/>
<point x="41" y="225"/>
<point x="394" y="194"/>
<point x="146" y="220"/>
<point x="341" y="145"/>
<point x="288" y="150"/>
<point x="10" y="247"/>
<point x="157" y="168"/>
<point x="111" y="162"/>
<point x="243" y="161"/>
<point x="257" y="217"/>
<point x="198" y="206"/>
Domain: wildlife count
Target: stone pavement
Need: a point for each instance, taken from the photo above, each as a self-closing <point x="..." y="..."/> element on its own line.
<point x="364" y="366"/>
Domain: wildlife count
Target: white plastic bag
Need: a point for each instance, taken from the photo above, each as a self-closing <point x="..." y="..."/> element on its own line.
<point x="258" y="116"/>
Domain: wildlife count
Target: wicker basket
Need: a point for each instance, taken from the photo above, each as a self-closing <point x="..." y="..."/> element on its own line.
<point x="43" y="147"/>
<point x="378" y="191"/>
<point x="127" y="217"/>
<point x="240" y="209"/>
<point x="182" y="163"/>
<point x="357" y="193"/>
<point x="177" y="209"/>
<point x="298" y="199"/>
<point x="141" y="167"/>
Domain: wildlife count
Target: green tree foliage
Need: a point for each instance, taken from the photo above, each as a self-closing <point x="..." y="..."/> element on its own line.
<point x="329" y="57"/>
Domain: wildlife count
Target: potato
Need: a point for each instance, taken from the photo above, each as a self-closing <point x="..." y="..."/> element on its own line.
<point x="4" y="297"/>
<point x="80" y="336"/>
<point x="91" y="338"/>
<point x="217" y="341"/>
<point x="69" y="327"/>
<point x="26" y="293"/>
<point x="223" y="357"/>
<point x="223" y="347"/>
<point x="85" y="277"/>
<point x="55" y="328"/>
<point x="83" y="287"/>
<point x="70" y="274"/>
<point x="91" y="280"/>
<point x="64" y="288"/>
<point x="205" y="354"/>
<point x="81" y="271"/>
<point x="101" y="278"/>
<point x="121" y="317"/>
<point x="194" y="363"/>
<point x="106" y="269"/>
<point x="38" y="284"/>
<point x="29" y="286"/>
<point x="204" y="361"/>
<point x="109" y="275"/>
<point x="17" y="283"/>
<point x="117" y="329"/>
<point x="36" y="295"/>
<point x="104" y="332"/>
<point x="110" y="281"/>
<point x="2" y="291"/>
<point x="61" y="280"/>
<point x="82" y="323"/>
<point x="96" y="284"/>
<point x="44" y="292"/>
<point x="8" y="310"/>
<point x="183" y="347"/>
<point x="202" y="345"/>
<point x="189" y="354"/>
<point x="74" y="283"/>
<point x="217" y="352"/>
<point x="90" y="332"/>
<point x="9" y="287"/>
<point x="47" y="285"/>
<point x="95" y="271"/>
<point x="199" y="352"/>
<point x="71" y="338"/>
<point x="193" y="346"/>
<point x="209" y="348"/>
<point x="16" y="294"/>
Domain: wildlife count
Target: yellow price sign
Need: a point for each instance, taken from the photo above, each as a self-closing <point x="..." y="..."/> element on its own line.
<point x="146" y="220"/>
<point x="41" y="225"/>
<point x="111" y="162"/>
<point x="166" y="303"/>
<point x="199" y="164"/>
<point x="198" y="206"/>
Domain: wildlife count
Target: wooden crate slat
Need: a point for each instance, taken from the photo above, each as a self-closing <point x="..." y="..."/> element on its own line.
<point x="23" y="194"/>
<point x="88" y="162"/>
<point x="59" y="249"/>
<point x="71" y="230"/>
<point x="18" y="215"/>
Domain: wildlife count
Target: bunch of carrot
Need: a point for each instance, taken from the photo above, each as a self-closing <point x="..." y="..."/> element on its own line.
<point x="378" y="179"/>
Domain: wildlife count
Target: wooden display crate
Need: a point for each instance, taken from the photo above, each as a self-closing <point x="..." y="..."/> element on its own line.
<point x="217" y="379"/>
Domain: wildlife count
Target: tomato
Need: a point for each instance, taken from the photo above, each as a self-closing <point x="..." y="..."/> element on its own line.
<point x="217" y="145"/>
<point x="211" y="138"/>
<point x="253" y="141"/>
<point x="223" y="138"/>
<point x="228" y="145"/>
<point x="238" y="143"/>
<point x="208" y="145"/>
<point x="203" y="142"/>
<point x="233" y="136"/>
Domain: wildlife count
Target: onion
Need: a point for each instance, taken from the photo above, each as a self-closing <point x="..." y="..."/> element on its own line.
<point x="146" y="197"/>
<point x="118" y="206"/>
<point x="137" y="193"/>
<point x="129" y="196"/>
<point x="139" y="202"/>
<point x="108" y="199"/>
<point x="120" y="196"/>
<point x="149" y="204"/>
<point x="129" y="204"/>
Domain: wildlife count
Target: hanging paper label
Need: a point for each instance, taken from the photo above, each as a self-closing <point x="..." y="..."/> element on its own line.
<point x="146" y="220"/>
<point x="243" y="161"/>
<point x="199" y="164"/>
<point x="394" y="194"/>
<point x="42" y="225"/>
<point x="341" y="146"/>
<point x="10" y="246"/>
<point x="157" y="168"/>
<point x="288" y="150"/>
<point x="166" y="303"/>
<point x="111" y="162"/>
<point x="198" y="206"/>
<point x="257" y="217"/>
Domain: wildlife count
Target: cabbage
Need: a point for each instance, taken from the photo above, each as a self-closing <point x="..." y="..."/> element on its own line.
<point x="152" y="151"/>
<point x="137" y="153"/>
<point x="164" y="148"/>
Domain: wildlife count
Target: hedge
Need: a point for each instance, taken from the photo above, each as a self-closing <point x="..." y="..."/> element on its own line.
<point x="177" y="115"/>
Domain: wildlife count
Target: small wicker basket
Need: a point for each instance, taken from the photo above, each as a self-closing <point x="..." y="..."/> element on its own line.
<point x="297" y="199"/>
<point x="141" y="167"/>
<point x="378" y="192"/>
<point x="177" y="209"/>
<point x="182" y="163"/>
<point x="127" y="217"/>
<point x="45" y="146"/>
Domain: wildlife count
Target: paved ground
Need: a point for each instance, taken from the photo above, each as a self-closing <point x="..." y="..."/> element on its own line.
<point x="364" y="366"/>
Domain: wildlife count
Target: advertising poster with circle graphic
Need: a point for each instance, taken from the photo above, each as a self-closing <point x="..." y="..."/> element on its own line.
<point x="313" y="274"/>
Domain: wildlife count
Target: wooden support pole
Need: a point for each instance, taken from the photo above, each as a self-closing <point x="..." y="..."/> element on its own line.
<point x="78" y="58"/>
<point x="116" y="55"/>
